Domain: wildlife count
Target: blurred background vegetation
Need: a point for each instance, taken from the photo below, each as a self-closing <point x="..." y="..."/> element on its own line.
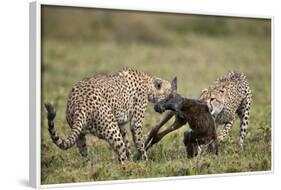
<point x="81" y="42"/>
<point x="74" y="24"/>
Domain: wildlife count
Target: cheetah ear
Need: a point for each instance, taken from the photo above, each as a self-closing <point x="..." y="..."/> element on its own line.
<point x="158" y="83"/>
<point x="203" y="92"/>
<point x="174" y="84"/>
<point x="124" y="72"/>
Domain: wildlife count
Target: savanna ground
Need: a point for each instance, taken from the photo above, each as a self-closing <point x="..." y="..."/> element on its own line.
<point x="78" y="43"/>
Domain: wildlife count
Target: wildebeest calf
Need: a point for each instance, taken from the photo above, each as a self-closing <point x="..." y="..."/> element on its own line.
<point x="196" y="114"/>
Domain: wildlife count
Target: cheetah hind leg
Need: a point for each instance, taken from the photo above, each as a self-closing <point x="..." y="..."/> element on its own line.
<point x="244" y="116"/>
<point x="110" y="131"/>
<point x="126" y="141"/>
<point x="81" y="145"/>
<point x="116" y="142"/>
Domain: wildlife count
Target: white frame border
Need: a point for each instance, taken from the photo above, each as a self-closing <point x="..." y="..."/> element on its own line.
<point x="35" y="94"/>
<point x="35" y="89"/>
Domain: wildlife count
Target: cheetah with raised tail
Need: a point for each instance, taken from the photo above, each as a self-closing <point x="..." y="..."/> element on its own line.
<point x="227" y="96"/>
<point x="102" y="105"/>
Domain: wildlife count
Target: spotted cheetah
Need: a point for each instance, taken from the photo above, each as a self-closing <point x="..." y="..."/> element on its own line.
<point x="102" y="105"/>
<point x="227" y="96"/>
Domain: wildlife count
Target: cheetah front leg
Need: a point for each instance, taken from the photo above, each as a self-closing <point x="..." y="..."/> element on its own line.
<point x="244" y="116"/>
<point x="226" y="129"/>
<point x="136" y="128"/>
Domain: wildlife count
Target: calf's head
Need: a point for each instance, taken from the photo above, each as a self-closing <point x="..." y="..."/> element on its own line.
<point x="173" y="102"/>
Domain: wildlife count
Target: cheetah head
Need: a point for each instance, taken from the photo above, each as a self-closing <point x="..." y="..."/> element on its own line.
<point x="160" y="89"/>
<point x="215" y="99"/>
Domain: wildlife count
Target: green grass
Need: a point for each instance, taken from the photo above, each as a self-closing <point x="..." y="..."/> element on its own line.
<point x="196" y="59"/>
<point x="195" y="64"/>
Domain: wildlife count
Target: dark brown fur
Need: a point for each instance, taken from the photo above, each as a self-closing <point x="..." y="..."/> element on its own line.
<point x="196" y="114"/>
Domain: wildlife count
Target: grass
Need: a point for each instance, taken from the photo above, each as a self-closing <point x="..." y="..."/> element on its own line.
<point x="196" y="59"/>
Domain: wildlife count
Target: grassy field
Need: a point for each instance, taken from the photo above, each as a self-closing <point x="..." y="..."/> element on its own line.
<point x="196" y="58"/>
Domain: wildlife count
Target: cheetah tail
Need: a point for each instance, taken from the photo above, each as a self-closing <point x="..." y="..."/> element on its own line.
<point x="61" y="143"/>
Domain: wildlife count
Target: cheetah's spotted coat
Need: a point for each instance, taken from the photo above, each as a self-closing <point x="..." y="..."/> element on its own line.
<point x="102" y="105"/>
<point x="227" y="96"/>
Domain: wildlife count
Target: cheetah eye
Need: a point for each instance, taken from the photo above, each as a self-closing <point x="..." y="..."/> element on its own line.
<point x="158" y="86"/>
<point x="212" y="99"/>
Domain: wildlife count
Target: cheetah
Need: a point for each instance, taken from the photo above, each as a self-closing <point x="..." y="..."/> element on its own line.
<point x="102" y="105"/>
<point x="227" y="96"/>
